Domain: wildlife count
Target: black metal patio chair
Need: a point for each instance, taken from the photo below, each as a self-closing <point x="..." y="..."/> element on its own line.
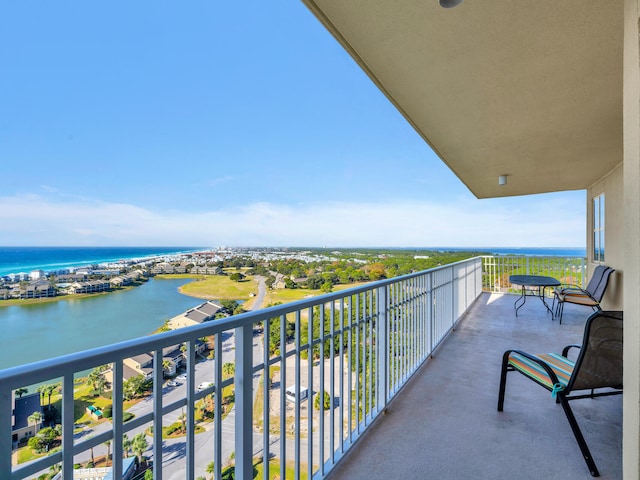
<point x="588" y="297"/>
<point x="598" y="366"/>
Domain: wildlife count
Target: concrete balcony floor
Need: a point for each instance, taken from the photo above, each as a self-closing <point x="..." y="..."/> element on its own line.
<point x="444" y="424"/>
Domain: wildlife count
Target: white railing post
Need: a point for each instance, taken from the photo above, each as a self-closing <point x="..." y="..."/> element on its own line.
<point x="244" y="403"/>
<point x="116" y="418"/>
<point x="157" y="414"/>
<point x="382" y="335"/>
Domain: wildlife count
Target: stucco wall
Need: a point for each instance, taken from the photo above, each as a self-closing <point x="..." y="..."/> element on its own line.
<point x="612" y="187"/>
<point x="631" y="232"/>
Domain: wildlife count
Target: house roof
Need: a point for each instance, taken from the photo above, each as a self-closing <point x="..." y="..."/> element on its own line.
<point x="24" y="407"/>
<point x="532" y="90"/>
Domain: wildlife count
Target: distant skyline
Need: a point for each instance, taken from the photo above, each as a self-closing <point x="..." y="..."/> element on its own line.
<point x="241" y="124"/>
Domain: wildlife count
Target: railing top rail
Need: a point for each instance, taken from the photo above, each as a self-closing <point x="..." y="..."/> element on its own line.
<point x="43" y="370"/>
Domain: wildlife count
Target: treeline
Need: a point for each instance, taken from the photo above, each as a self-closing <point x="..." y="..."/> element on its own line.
<point x="354" y="266"/>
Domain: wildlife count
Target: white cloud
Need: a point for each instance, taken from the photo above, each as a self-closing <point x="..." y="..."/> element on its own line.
<point x="40" y="220"/>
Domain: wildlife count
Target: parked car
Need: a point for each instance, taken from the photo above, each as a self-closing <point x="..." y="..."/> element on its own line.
<point x="182" y="377"/>
<point x="204" y="385"/>
<point x="173" y="383"/>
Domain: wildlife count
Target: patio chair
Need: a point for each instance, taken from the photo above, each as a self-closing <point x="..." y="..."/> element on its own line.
<point x="597" y="366"/>
<point x="589" y="297"/>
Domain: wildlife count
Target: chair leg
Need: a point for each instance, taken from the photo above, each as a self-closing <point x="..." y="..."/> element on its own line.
<point x="503" y="379"/>
<point x="560" y="310"/>
<point x="579" y="437"/>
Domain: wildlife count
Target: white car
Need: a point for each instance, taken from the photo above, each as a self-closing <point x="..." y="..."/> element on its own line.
<point x="173" y="383"/>
<point x="182" y="377"/>
<point x="204" y="385"/>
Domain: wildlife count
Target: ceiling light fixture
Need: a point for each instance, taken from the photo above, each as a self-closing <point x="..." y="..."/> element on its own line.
<point x="502" y="180"/>
<point x="450" y="3"/>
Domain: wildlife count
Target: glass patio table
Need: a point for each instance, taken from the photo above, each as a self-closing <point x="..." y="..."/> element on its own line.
<point x="535" y="284"/>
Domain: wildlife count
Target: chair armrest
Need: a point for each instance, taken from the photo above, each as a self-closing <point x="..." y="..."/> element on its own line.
<point x="566" y="349"/>
<point x="572" y="290"/>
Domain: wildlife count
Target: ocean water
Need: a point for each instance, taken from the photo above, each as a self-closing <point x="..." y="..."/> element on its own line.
<point x="531" y="251"/>
<point x="26" y="259"/>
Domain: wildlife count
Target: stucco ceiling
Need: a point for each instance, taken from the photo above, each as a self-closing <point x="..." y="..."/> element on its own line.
<point x="528" y="89"/>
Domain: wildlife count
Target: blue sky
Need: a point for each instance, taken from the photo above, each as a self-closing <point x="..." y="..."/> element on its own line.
<point x="223" y="123"/>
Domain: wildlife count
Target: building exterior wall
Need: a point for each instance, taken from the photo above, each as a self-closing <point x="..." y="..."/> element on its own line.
<point x="631" y="234"/>
<point x="612" y="187"/>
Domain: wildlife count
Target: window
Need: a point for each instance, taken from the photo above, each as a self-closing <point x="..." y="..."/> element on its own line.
<point x="598" y="228"/>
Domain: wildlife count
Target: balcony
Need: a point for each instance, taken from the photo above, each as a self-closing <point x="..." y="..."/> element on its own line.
<point x="408" y="368"/>
<point x="445" y="425"/>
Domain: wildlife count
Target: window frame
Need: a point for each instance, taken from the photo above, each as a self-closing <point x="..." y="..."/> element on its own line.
<point x="598" y="224"/>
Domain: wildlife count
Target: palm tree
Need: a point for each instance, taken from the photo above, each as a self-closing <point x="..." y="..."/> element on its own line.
<point x="139" y="445"/>
<point x="166" y="365"/>
<point x="126" y="445"/>
<point x="108" y="444"/>
<point x="35" y="418"/>
<point x="97" y="380"/>
<point x="21" y="391"/>
<point x="41" y="390"/>
<point x="49" y="390"/>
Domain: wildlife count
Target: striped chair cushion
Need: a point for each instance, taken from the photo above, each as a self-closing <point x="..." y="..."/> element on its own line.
<point x="561" y="366"/>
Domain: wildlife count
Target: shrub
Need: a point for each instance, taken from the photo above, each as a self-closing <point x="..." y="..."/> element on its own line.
<point x="326" y="404"/>
<point x="107" y="411"/>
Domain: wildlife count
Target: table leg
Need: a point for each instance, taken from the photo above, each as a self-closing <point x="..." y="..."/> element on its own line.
<point x="523" y="297"/>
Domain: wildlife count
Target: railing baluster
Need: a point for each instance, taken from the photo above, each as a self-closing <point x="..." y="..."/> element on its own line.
<point x="117" y="415"/>
<point x="191" y="434"/>
<point x="67" y="425"/>
<point x="244" y="402"/>
<point x="157" y="414"/>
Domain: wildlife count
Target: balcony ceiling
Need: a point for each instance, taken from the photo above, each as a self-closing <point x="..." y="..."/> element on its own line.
<point x="529" y="88"/>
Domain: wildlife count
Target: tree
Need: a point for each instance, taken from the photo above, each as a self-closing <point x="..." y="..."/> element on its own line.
<point x="139" y="445"/>
<point x="166" y="366"/>
<point x="236" y="277"/>
<point x="228" y="369"/>
<point x="134" y="386"/>
<point x="35" y="418"/>
<point x="229" y="305"/>
<point x="148" y="474"/>
<point x="49" y="390"/>
<point x="325" y="405"/>
<point x="211" y="468"/>
<point x="97" y="380"/>
<point x="21" y="391"/>
<point x="108" y="444"/>
<point x="126" y="445"/>
<point x="183" y="421"/>
<point x="326" y="287"/>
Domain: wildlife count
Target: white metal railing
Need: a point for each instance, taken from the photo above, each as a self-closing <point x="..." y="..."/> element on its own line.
<point x="357" y="348"/>
<point x="497" y="269"/>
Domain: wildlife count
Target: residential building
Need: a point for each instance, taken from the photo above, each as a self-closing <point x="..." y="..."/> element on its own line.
<point x="204" y="312"/>
<point x="22" y="408"/>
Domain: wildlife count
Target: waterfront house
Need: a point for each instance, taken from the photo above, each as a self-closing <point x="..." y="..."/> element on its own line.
<point x="204" y="312"/>
<point x="22" y="408"/>
<point x="37" y="290"/>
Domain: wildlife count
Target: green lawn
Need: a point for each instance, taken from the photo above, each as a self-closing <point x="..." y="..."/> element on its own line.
<point x="220" y="287"/>
<point x="287" y="295"/>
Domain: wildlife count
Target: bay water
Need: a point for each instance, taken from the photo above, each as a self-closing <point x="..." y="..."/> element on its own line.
<point x="35" y="332"/>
